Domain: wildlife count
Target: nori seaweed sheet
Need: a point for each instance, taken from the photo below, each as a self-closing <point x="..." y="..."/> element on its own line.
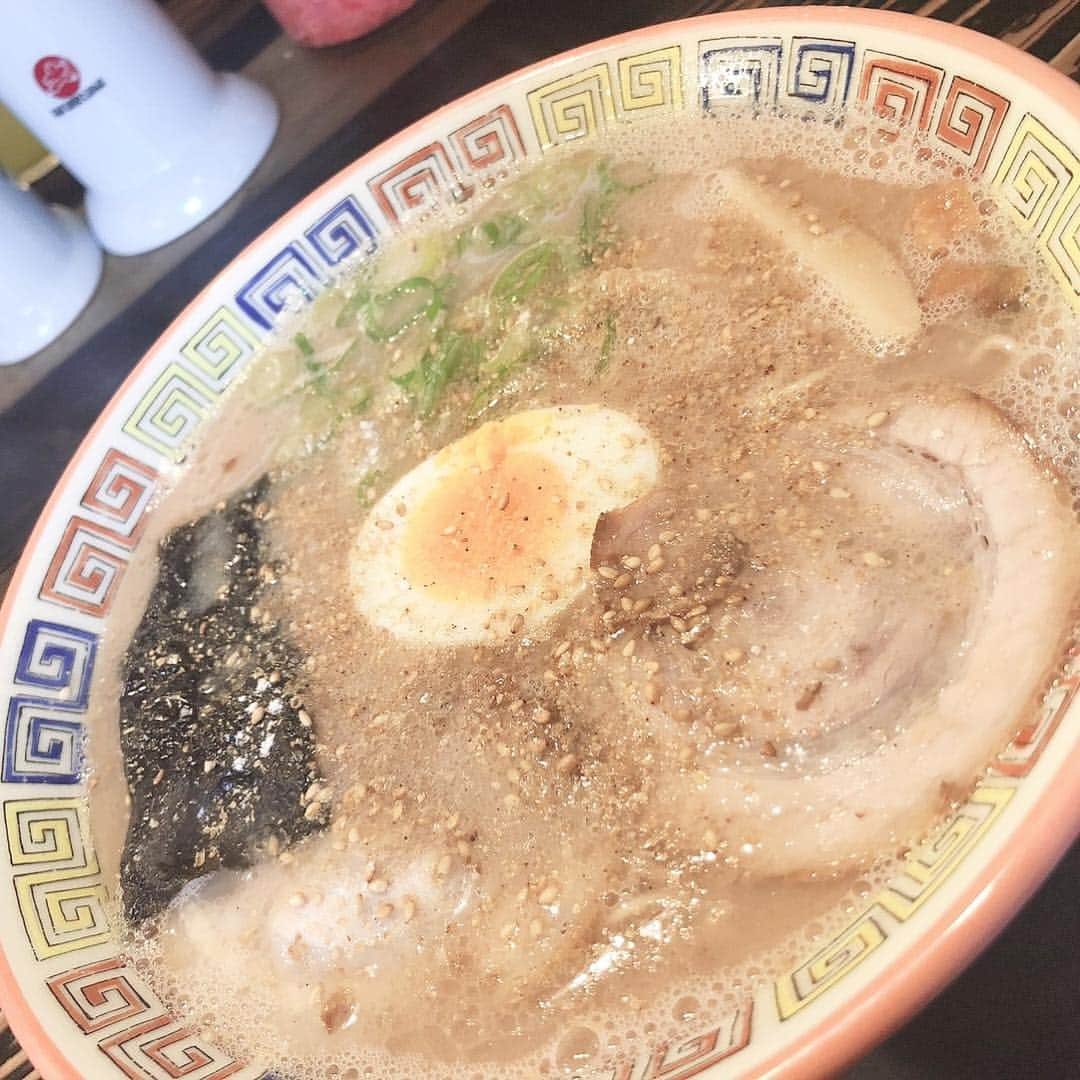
<point x="216" y="754"/>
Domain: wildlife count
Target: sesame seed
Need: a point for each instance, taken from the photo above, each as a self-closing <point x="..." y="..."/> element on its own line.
<point x="654" y="552"/>
<point x="567" y="763"/>
<point x="384" y="524"/>
<point x="655" y="566"/>
<point x="442" y="867"/>
<point x="872" y="558"/>
<point x="631" y="562"/>
<point x="517" y="624"/>
<point x="629" y="647"/>
<point x="808" y="695"/>
<point x="733" y="656"/>
<point x="543" y="716"/>
<point x="875" y="420"/>
<point x="651" y="692"/>
<point x="622" y="581"/>
<point x="839" y="493"/>
<point x="608" y="572"/>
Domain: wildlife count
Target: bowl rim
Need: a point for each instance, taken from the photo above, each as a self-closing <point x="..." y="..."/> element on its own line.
<point x="977" y="914"/>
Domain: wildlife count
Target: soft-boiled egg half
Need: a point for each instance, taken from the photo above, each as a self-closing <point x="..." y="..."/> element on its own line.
<point x="491" y="535"/>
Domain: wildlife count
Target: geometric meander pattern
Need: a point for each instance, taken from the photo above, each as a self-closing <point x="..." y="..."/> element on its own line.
<point x="589" y="101"/>
<point x="55" y="872"/>
<point x="445" y="171"/>
<point x="136" y="1034"/>
<point x="1039" y="179"/>
<point x="89" y="562"/>
<point x="923" y="873"/>
<point x="686" y="1057"/>
<point x="55" y="875"/>
<point x="43" y="726"/>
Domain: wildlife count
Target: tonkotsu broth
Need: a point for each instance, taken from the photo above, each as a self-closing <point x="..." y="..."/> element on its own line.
<point x="552" y="846"/>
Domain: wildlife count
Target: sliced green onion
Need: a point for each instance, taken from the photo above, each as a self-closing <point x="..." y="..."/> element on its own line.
<point x="607" y="346"/>
<point x="367" y="490"/>
<point x="525" y="272"/>
<point x="352" y="309"/>
<point x="390" y="313"/>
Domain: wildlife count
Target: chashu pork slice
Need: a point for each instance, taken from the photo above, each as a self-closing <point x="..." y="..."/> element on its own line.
<point x="872" y="694"/>
<point x="849" y="805"/>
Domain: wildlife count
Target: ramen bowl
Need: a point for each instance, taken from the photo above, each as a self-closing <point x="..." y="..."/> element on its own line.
<point x="77" y="1005"/>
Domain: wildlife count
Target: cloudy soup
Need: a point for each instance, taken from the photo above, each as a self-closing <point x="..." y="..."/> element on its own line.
<point x="575" y="613"/>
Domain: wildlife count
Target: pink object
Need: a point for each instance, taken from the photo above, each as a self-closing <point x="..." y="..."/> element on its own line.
<point x="328" y="22"/>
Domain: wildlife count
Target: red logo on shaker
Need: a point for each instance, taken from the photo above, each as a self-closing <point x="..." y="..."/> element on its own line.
<point x="57" y="76"/>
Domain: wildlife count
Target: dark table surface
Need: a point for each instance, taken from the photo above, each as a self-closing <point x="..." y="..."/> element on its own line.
<point x="1015" y="1013"/>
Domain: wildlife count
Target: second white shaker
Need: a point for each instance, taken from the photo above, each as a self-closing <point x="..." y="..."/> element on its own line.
<point x="158" y="139"/>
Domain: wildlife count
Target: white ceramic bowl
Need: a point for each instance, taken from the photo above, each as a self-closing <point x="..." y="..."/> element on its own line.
<point x="79" y="1009"/>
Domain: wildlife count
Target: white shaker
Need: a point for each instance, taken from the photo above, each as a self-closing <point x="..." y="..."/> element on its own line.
<point x="49" y="269"/>
<point x="118" y="94"/>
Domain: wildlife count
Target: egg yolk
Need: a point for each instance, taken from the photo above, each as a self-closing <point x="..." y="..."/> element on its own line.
<point x="483" y="532"/>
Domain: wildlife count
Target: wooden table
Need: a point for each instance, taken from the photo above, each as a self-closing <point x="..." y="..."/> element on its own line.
<point x="1014" y="1012"/>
